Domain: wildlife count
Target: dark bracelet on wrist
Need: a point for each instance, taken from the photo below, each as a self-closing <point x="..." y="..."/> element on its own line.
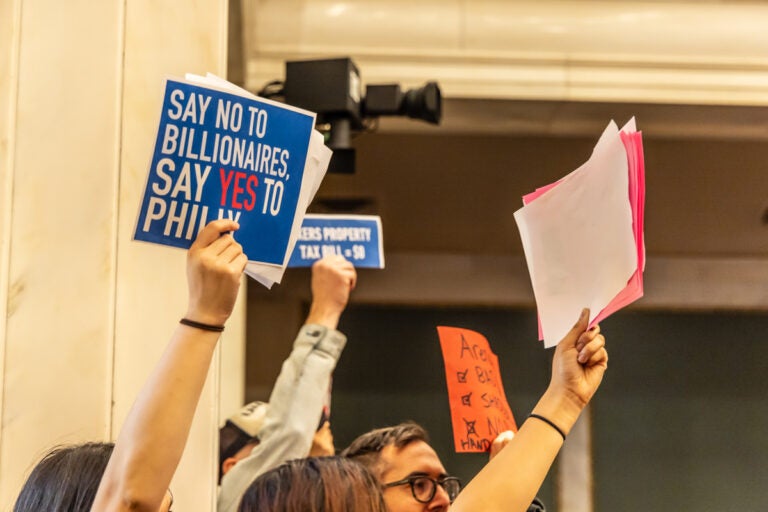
<point x="548" y="422"/>
<point x="200" y="325"/>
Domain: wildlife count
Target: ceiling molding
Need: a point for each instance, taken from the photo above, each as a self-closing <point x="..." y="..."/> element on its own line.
<point x="688" y="53"/>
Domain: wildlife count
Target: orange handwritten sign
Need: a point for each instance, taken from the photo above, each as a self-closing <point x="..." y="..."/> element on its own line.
<point x="479" y="408"/>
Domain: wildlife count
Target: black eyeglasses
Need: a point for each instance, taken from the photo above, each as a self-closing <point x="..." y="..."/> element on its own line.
<point x="424" y="488"/>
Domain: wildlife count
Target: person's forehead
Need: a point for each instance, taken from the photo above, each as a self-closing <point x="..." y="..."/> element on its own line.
<point x="415" y="457"/>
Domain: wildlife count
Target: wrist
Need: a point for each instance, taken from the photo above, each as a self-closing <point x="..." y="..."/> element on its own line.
<point x="326" y="317"/>
<point x="206" y="317"/>
<point x="202" y="326"/>
<point x="560" y="408"/>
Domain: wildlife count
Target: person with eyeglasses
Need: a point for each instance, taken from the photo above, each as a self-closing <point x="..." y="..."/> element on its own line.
<point x="404" y="449"/>
<point x="410" y="472"/>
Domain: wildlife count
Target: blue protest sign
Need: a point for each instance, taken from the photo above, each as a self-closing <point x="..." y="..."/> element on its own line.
<point x="220" y="155"/>
<point x="356" y="237"/>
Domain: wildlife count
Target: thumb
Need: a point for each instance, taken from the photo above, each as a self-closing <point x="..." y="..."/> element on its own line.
<point x="569" y="340"/>
<point x="213" y="230"/>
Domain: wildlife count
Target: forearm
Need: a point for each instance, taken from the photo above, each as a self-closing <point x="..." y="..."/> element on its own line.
<point x="511" y="480"/>
<point x="300" y="390"/>
<point x="152" y="439"/>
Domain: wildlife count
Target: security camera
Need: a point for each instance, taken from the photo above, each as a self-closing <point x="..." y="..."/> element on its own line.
<point x="332" y="88"/>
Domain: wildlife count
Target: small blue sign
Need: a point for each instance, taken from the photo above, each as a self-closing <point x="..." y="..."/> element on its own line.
<point x="220" y="155"/>
<point x="356" y="237"/>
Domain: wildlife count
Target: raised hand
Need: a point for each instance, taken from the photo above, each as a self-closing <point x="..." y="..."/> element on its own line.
<point x="333" y="278"/>
<point x="215" y="263"/>
<point x="580" y="361"/>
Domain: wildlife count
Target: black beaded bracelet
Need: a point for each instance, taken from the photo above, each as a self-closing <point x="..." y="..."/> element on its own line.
<point x="548" y="422"/>
<point x="200" y="325"/>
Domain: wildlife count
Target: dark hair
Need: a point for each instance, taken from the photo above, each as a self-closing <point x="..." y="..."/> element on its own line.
<point x="316" y="484"/>
<point x="232" y="439"/>
<point x="366" y="449"/>
<point x="66" y="479"/>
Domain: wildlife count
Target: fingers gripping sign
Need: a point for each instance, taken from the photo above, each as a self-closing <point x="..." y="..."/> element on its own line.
<point x="580" y="361"/>
<point x="215" y="262"/>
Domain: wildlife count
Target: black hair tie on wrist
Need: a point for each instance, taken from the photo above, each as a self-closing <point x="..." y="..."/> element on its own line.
<point x="548" y="422"/>
<point x="200" y="325"/>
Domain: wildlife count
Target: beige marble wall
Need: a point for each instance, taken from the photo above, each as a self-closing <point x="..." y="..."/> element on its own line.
<point x="87" y="310"/>
<point x="9" y="36"/>
<point x="60" y="232"/>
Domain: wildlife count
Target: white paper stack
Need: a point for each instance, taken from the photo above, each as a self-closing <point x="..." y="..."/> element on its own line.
<point x="583" y="235"/>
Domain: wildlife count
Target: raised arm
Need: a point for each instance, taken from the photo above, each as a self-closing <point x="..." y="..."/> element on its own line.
<point x="296" y="402"/>
<point x="510" y="481"/>
<point x="152" y="439"/>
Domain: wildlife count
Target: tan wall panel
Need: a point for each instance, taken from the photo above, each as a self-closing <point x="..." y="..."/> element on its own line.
<point x="164" y="38"/>
<point x="62" y="231"/>
<point x="231" y="394"/>
<point x="9" y="45"/>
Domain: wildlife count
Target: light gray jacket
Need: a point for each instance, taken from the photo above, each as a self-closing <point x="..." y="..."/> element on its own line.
<point x="295" y="406"/>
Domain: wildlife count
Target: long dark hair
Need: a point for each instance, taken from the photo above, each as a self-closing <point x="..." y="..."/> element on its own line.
<point x="316" y="484"/>
<point x="66" y="479"/>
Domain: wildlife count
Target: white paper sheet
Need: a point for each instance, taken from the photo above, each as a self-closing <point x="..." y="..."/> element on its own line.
<point x="578" y="239"/>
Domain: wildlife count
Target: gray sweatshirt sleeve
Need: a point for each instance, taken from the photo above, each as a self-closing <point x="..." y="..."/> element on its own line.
<point x="295" y="406"/>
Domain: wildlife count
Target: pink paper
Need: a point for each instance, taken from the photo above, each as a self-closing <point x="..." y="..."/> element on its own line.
<point x="634" y="143"/>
